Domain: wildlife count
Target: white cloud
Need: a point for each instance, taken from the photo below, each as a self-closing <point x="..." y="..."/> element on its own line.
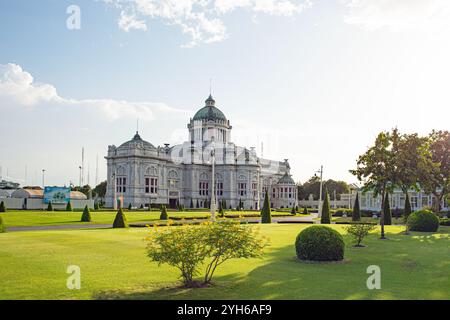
<point x="202" y="20"/>
<point x="18" y="89"/>
<point x="128" y="22"/>
<point x="399" y="15"/>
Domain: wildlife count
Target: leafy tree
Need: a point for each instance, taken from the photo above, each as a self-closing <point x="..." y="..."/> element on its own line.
<point x="231" y="240"/>
<point x="96" y="206"/>
<point x="326" y="211"/>
<point x="2" y="207"/>
<point x="86" y="216"/>
<point x="435" y="172"/>
<point x="312" y="186"/>
<point x="266" y="214"/>
<point x="86" y="190"/>
<point x="50" y="206"/>
<point x="100" y="190"/>
<point x="69" y="206"/>
<point x="375" y="169"/>
<point x="359" y="231"/>
<point x="387" y="211"/>
<point x="356" y="215"/>
<point x="120" y="221"/>
<point x="163" y="215"/>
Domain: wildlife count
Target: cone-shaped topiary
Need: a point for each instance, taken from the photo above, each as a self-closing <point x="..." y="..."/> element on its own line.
<point x="356" y="215"/>
<point x="293" y="212"/>
<point x="408" y="209"/>
<point x="2" y="225"/>
<point x="387" y="211"/>
<point x="163" y="215"/>
<point x="130" y="206"/>
<point x="192" y="204"/>
<point x="198" y="204"/>
<point x="326" y="212"/>
<point x="305" y="211"/>
<point x="149" y="207"/>
<point x="96" y="206"/>
<point x="68" y="206"/>
<point x="2" y="207"/>
<point x="266" y="214"/>
<point x="120" y="220"/>
<point x="320" y="243"/>
<point x="86" y="216"/>
<point x="50" y="206"/>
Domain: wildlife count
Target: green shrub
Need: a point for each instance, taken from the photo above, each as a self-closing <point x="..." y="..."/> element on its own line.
<point x="86" y="216"/>
<point x="2" y="225"/>
<point x="326" y="212"/>
<point x="2" y="207"/>
<point x="50" y="206"/>
<point x="320" y="243"/>
<point x="120" y="221"/>
<point x="163" y="215"/>
<point x="96" y="206"/>
<point x="359" y="231"/>
<point x="266" y="214"/>
<point x="387" y="211"/>
<point x="69" y="206"/>
<point x="130" y="206"/>
<point x="293" y="211"/>
<point x="424" y="221"/>
<point x="445" y="222"/>
<point x="356" y="214"/>
<point x="305" y="211"/>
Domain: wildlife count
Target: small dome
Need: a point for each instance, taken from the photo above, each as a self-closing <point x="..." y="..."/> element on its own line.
<point x="135" y="142"/>
<point x="210" y="112"/>
<point x="286" y="179"/>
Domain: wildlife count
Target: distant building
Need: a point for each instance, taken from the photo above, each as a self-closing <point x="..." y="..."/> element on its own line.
<point x="8" y="185"/>
<point x="418" y="200"/>
<point x="141" y="174"/>
<point x="38" y="193"/>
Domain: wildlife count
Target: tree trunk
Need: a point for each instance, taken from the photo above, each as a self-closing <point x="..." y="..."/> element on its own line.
<point x="438" y="204"/>
<point x="383" y="194"/>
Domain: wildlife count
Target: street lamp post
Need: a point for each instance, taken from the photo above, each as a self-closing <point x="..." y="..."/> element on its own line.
<point x="213" y="186"/>
<point x="43" y="178"/>
<point x="320" y="191"/>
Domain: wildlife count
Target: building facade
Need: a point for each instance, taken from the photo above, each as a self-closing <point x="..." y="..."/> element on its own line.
<point x="141" y="174"/>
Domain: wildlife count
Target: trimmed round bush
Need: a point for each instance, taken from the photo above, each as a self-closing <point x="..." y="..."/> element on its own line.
<point x="319" y="243"/>
<point x="424" y="221"/>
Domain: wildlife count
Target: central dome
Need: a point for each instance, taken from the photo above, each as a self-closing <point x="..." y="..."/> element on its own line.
<point x="210" y="112"/>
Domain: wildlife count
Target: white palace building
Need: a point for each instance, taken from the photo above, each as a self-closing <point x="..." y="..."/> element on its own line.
<point x="141" y="174"/>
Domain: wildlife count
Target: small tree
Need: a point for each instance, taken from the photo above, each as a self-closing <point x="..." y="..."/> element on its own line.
<point x="387" y="211"/>
<point x="356" y="215"/>
<point x="326" y="212"/>
<point x="2" y="225"/>
<point x="69" y="206"/>
<point x="266" y="214"/>
<point x="408" y="212"/>
<point x="221" y="211"/>
<point x="50" y="206"/>
<point x="163" y="215"/>
<point x="149" y="206"/>
<point x="2" y="207"/>
<point x="305" y="211"/>
<point x="130" y="206"/>
<point x="293" y="212"/>
<point x="231" y="240"/>
<point x="96" y="206"/>
<point x="120" y="221"/>
<point x="192" y="204"/>
<point x="86" y="216"/>
<point x="359" y="231"/>
<point x="198" y="204"/>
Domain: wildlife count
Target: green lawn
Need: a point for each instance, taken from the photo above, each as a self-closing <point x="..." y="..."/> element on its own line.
<point x="18" y="218"/>
<point x="113" y="265"/>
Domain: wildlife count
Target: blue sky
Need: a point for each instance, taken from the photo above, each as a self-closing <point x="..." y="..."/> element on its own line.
<point x="313" y="80"/>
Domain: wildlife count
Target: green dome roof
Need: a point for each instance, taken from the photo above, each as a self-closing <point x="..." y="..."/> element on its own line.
<point x="210" y="112"/>
<point x="286" y="179"/>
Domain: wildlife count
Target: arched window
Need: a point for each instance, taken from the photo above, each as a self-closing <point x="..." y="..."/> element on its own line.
<point x="173" y="179"/>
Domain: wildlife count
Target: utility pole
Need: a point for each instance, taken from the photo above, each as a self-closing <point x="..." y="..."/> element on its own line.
<point x="43" y="178"/>
<point x="96" y="171"/>
<point x="213" y="186"/>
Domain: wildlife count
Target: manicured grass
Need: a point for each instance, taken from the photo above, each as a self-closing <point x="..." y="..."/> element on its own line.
<point x="24" y="218"/>
<point x="114" y="265"/>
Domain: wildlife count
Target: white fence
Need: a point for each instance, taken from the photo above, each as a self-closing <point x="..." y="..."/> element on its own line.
<point x="38" y="204"/>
